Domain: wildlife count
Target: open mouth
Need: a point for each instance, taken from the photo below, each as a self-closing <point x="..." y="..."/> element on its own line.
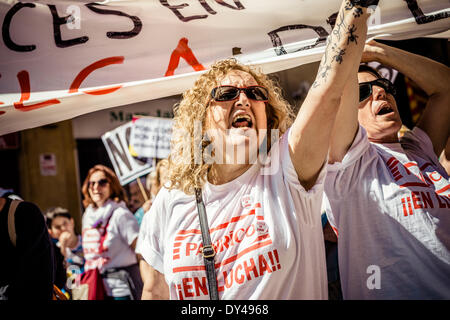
<point x="385" y="110"/>
<point x="242" y="121"/>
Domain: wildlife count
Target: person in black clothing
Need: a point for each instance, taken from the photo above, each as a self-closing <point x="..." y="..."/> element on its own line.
<point x="60" y="270"/>
<point x="27" y="268"/>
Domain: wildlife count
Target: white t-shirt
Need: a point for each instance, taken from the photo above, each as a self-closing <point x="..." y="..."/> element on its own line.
<point x="385" y="202"/>
<point x="266" y="230"/>
<point x="121" y="232"/>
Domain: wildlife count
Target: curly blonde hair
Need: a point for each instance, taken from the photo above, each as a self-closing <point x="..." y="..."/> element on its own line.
<point x="184" y="172"/>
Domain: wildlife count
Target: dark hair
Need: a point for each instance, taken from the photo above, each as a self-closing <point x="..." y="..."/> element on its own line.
<point x="55" y="212"/>
<point x="369" y="69"/>
<point x="117" y="192"/>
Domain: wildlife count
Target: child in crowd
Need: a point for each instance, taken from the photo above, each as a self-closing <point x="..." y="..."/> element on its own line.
<point x="61" y="228"/>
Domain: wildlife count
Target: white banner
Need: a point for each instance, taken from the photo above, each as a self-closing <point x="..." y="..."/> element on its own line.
<point x="150" y="137"/>
<point x="126" y="167"/>
<point x="61" y="59"/>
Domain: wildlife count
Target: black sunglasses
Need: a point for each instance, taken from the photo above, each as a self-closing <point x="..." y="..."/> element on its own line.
<point x="229" y="93"/>
<point x="101" y="183"/>
<point x="365" y="88"/>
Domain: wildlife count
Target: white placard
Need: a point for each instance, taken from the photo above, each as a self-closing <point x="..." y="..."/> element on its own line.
<point x="125" y="166"/>
<point x="150" y="137"/>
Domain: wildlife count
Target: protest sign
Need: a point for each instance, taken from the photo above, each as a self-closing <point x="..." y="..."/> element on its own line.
<point x="126" y="167"/>
<point x="150" y="137"/>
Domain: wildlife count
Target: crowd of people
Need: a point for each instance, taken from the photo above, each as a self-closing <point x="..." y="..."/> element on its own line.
<point x="48" y="243"/>
<point x="330" y="203"/>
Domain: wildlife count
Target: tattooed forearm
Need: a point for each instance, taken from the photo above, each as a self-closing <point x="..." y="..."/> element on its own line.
<point x="339" y="26"/>
<point x="339" y="57"/>
<point x="332" y="49"/>
<point x="326" y="66"/>
<point x="339" y="43"/>
<point x="352" y="37"/>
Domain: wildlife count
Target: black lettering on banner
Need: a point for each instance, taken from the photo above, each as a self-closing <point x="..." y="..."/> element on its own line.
<point x="278" y="45"/>
<point x="238" y="4"/>
<point x="176" y="10"/>
<point x="6" y="25"/>
<point x="420" y="17"/>
<point x="177" y="7"/>
<point x="236" y="51"/>
<point x="207" y="7"/>
<point x="121" y="154"/>
<point x="57" y="22"/>
<point x="118" y="34"/>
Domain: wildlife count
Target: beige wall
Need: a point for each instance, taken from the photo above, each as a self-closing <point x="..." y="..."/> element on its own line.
<point x="61" y="189"/>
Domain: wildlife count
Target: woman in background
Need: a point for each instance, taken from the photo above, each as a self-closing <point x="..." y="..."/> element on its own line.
<point x="109" y="234"/>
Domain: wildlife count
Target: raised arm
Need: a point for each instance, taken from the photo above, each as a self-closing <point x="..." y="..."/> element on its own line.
<point x="311" y="131"/>
<point x="431" y="76"/>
